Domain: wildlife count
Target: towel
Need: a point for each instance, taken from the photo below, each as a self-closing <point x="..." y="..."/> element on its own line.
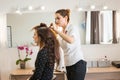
<point x="61" y="65"/>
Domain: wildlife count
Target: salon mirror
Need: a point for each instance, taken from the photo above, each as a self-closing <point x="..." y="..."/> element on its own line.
<point x="19" y="26"/>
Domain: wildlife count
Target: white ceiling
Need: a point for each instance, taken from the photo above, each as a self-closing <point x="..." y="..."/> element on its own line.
<point x="7" y="6"/>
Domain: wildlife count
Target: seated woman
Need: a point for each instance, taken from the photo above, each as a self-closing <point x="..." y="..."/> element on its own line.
<point x="47" y="54"/>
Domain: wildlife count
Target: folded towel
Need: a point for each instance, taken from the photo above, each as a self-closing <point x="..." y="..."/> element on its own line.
<point x="61" y="65"/>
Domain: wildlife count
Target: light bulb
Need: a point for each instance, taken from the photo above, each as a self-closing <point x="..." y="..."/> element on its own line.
<point x="105" y="7"/>
<point x="92" y="6"/>
<point x="30" y="8"/>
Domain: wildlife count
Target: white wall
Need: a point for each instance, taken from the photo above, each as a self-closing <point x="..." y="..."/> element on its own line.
<point x="8" y="61"/>
<point x="91" y="52"/>
<point x="3" y="30"/>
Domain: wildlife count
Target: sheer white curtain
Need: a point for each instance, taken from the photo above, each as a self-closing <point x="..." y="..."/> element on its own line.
<point x="3" y="31"/>
<point x="118" y="26"/>
<point x="88" y="23"/>
<point x="106" y="22"/>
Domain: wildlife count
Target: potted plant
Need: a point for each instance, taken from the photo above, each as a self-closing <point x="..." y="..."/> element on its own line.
<point x="23" y="59"/>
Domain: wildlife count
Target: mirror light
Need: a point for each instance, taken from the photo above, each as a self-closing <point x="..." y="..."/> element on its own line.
<point x="105" y="7"/>
<point x="30" y="8"/>
<point x="92" y="7"/>
<point x="80" y="9"/>
<point x="42" y="7"/>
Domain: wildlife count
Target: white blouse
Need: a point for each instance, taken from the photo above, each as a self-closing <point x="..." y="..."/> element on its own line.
<point x="72" y="52"/>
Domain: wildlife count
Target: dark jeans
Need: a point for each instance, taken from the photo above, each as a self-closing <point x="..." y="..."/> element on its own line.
<point x="76" y="71"/>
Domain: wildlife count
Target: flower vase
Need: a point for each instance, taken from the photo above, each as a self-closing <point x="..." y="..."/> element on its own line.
<point x="22" y="65"/>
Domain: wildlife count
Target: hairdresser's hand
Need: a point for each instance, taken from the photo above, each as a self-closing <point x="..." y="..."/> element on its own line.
<point x="54" y="27"/>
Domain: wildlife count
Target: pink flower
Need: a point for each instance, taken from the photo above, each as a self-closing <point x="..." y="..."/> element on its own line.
<point x="27" y="50"/>
<point x="31" y="52"/>
<point x="22" y="49"/>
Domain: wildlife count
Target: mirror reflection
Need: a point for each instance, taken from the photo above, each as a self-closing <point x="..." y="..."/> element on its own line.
<point x="96" y="27"/>
<point x="102" y="27"/>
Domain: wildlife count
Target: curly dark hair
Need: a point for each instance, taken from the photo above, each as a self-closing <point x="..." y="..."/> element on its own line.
<point x="48" y="37"/>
